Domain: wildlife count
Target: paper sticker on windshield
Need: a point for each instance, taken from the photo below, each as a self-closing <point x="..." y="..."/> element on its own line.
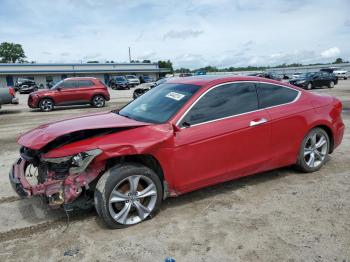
<point x="175" y="96"/>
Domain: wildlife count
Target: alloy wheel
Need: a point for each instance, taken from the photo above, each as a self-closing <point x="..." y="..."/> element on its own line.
<point x="132" y="200"/>
<point x="46" y="105"/>
<point x="98" y="101"/>
<point x="315" y="150"/>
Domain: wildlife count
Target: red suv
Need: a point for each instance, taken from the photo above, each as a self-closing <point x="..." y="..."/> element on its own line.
<point x="71" y="91"/>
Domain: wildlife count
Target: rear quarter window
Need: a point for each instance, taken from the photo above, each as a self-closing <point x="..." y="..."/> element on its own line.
<point x="274" y="95"/>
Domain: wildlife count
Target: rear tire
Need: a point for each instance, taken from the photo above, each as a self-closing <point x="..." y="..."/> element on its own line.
<point x="309" y="86"/>
<point x="46" y="105"/>
<point x="118" y="196"/>
<point x="331" y="84"/>
<point x="98" y="101"/>
<point x="313" y="151"/>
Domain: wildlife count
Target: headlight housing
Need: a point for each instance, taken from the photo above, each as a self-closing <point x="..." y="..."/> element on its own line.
<point x="77" y="163"/>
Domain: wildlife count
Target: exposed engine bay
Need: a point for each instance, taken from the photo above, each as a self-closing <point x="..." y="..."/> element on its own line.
<point x="64" y="181"/>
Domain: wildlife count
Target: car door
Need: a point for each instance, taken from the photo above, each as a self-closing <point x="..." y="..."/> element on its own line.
<point x="65" y="92"/>
<point x="222" y="136"/>
<point x="285" y="107"/>
<point x="84" y="90"/>
<point x="317" y="80"/>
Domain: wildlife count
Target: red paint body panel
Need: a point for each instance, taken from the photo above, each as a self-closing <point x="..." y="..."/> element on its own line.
<point x="42" y="135"/>
<point x="204" y="154"/>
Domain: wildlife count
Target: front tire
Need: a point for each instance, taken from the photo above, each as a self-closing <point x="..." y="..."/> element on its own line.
<point x="331" y="84"/>
<point x="313" y="151"/>
<point x="127" y="195"/>
<point x="309" y="86"/>
<point x="46" y="105"/>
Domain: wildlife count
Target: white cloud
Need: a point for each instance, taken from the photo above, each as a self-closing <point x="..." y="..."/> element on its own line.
<point x="192" y="33"/>
<point x="330" y="52"/>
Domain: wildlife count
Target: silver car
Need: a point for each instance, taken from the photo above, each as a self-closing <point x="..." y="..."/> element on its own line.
<point x="132" y="80"/>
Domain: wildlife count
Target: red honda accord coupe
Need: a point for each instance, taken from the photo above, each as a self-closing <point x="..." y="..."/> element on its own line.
<point x="185" y="134"/>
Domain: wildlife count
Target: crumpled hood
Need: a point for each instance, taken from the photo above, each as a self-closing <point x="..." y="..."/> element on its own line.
<point x="44" y="134"/>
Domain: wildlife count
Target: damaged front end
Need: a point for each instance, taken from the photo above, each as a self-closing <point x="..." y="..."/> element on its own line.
<point x="61" y="181"/>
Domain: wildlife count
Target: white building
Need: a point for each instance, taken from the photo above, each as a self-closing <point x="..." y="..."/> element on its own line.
<point x="45" y="73"/>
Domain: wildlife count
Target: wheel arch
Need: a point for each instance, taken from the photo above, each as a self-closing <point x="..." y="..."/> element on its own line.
<point x="147" y="160"/>
<point x="46" y="97"/>
<point x="98" y="94"/>
<point x="330" y="135"/>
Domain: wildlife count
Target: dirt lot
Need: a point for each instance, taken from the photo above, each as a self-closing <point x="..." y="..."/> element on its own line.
<point x="275" y="216"/>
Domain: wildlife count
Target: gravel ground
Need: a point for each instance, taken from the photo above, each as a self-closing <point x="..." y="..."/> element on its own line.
<point x="281" y="215"/>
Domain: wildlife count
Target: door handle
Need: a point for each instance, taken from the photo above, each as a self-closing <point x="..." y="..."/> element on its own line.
<point x="258" y="122"/>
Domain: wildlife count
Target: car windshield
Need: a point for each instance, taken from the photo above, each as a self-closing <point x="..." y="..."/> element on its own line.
<point x="57" y="84"/>
<point x="130" y="77"/>
<point x="160" y="103"/>
<point x="120" y="78"/>
<point x="307" y="75"/>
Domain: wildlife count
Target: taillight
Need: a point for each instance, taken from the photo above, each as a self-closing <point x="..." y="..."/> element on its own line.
<point x="12" y="91"/>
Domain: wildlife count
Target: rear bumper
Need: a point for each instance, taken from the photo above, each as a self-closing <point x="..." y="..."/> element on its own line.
<point x="339" y="134"/>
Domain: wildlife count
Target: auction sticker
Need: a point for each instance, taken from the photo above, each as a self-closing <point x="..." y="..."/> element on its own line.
<point x="175" y="96"/>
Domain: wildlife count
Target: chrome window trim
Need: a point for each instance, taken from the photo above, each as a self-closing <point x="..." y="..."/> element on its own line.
<point x="232" y="82"/>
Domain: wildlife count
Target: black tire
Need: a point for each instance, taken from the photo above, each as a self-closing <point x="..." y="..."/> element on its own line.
<point x="309" y="86"/>
<point x="331" y="84"/>
<point x="98" y="101"/>
<point x="301" y="163"/>
<point x="46" y="105"/>
<point x="111" y="179"/>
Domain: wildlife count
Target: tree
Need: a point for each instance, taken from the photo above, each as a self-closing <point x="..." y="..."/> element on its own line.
<point x="166" y="64"/>
<point x="146" y="61"/>
<point x="11" y="52"/>
<point x="92" y="62"/>
<point x="338" y="61"/>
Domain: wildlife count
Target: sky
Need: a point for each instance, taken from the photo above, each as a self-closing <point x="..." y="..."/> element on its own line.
<point x="191" y="34"/>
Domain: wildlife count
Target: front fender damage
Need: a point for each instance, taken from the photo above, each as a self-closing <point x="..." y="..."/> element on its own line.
<point x="64" y="189"/>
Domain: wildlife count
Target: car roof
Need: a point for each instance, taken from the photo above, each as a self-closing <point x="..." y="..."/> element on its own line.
<point x="81" y="78"/>
<point x="218" y="79"/>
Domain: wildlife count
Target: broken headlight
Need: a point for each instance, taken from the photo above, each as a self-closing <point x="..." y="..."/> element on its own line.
<point x="77" y="163"/>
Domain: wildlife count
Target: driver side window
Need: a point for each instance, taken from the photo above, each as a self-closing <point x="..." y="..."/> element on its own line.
<point x="223" y="101"/>
<point x="68" y="84"/>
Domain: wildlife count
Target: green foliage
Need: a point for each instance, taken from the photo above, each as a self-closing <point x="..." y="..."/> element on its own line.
<point x="146" y="61"/>
<point x="340" y="61"/>
<point x="166" y="64"/>
<point x="92" y="62"/>
<point x="11" y="53"/>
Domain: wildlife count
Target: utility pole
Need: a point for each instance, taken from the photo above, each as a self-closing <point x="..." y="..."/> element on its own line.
<point x="129" y="54"/>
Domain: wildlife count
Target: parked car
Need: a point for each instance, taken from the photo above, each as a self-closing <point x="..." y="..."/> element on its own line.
<point x="183" y="135"/>
<point x="25" y="86"/>
<point x="71" y="91"/>
<point x="296" y="75"/>
<point x="315" y="79"/>
<point x="146" y="79"/>
<point x="119" y="83"/>
<point x="185" y="74"/>
<point x="7" y="96"/>
<point x="338" y="72"/>
<point x="132" y="80"/>
<point x="267" y="75"/>
<point x="140" y="91"/>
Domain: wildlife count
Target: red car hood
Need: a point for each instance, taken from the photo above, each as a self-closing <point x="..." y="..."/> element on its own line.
<point x="44" y="134"/>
